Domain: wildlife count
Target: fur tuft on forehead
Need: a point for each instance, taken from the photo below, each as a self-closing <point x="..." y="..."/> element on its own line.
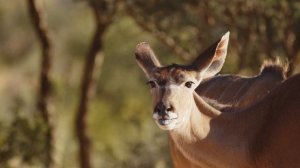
<point x="173" y="72"/>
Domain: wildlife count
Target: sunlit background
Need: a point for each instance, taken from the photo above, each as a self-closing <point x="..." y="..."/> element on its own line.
<point x="119" y="121"/>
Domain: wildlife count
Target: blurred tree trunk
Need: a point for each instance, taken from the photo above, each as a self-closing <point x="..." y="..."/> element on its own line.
<point x="39" y="24"/>
<point x="103" y="17"/>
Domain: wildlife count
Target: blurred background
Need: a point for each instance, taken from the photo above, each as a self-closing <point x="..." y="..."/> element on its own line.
<point x="71" y="93"/>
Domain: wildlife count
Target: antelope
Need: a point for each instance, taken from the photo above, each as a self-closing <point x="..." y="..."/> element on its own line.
<point x="264" y="133"/>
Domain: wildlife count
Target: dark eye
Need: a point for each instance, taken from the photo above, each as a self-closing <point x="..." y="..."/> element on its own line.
<point x="189" y="84"/>
<point x="152" y="84"/>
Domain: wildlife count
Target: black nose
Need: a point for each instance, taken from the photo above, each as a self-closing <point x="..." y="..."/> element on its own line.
<point x="162" y="109"/>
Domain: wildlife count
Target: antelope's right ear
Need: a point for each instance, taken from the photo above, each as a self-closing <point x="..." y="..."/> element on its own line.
<point x="146" y="58"/>
<point x="211" y="61"/>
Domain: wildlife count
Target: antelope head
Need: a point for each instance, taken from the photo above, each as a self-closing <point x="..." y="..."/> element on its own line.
<point x="172" y="87"/>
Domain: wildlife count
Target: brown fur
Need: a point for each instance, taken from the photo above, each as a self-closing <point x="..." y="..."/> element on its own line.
<point x="275" y="67"/>
<point x="268" y="132"/>
<point x="243" y="91"/>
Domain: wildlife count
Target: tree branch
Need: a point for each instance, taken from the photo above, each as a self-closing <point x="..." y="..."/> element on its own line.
<point x="163" y="37"/>
<point x="39" y="25"/>
<point x="102" y="21"/>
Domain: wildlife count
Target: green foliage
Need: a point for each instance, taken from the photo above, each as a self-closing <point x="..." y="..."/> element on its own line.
<point x="23" y="139"/>
<point x="259" y="29"/>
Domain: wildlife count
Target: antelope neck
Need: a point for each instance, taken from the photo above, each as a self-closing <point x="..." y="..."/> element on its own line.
<point x="220" y="138"/>
<point x="196" y="122"/>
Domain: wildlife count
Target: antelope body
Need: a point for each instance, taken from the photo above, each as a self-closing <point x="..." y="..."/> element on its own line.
<point x="258" y="127"/>
<point x="243" y="91"/>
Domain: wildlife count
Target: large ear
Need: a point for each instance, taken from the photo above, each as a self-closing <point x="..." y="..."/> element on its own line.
<point x="211" y="61"/>
<point x="146" y="58"/>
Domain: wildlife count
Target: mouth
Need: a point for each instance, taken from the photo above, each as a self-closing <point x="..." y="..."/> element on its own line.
<point x="166" y="123"/>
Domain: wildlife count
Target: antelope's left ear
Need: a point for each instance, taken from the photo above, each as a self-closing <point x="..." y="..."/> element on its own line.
<point x="146" y="58"/>
<point x="211" y="61"/>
